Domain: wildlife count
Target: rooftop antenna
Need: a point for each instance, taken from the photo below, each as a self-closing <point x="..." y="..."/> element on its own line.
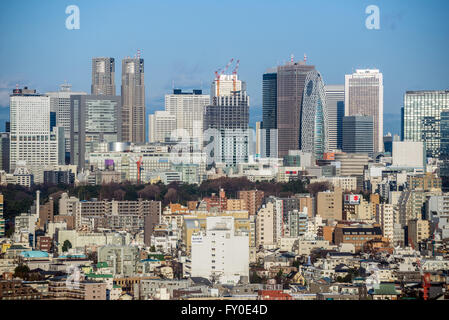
<point x="305" y="58"/>
<point x="138" y="54"/>
<point x="292" y="57"/>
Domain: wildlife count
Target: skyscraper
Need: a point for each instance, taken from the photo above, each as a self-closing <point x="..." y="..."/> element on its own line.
<point x="94" y="119"/>
<point x="335" y="102"/>
<point x="302" y="112"/>
<point x="364" y="95"/>
<point x="60" y="105"/>
<point x="31" y="138"/>
<point x="4" y="151"/>
<point x="269" y="119"/>
<point x="229" y="115"/>
<point x="133" y="100"/>
<point x="103" y="76"/>
<point x="421" y="118"/>
<point x="188" y="108"/>
<point x="358" y="134"/>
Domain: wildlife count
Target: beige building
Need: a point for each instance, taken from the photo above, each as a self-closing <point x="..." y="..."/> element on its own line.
<point x="253" y="199"/>
<point x="385" y="214"/>
<point x="329" y="204"/>
<point x="265" y="225"/>
<point x="418" y="230"/>
<point x="236" y="204"/>
<point x="347" y="184"/>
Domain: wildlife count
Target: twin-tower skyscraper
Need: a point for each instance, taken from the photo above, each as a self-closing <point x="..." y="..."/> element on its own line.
<point x="132" y="93"/>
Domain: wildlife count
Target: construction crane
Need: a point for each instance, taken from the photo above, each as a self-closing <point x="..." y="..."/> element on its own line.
<point x="425" y="277"/>
<point x="139" y="167"/>
<point x="218" y="74"/>
<point x="234" y="79"/>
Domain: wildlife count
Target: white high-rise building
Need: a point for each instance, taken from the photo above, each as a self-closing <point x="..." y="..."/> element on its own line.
<point x="385" y="216"/>
<point x="188" y="107"/>
<point x="364" y="95"/>
<point x="32" y="138"/>
<point x="161" y="124"/>
<point x="220" y="253"/>
<point x="335" y="102"/>
<point x="60" y="105"/>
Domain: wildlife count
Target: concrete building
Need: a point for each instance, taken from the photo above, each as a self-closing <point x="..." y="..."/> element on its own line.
<point x="345" y="183"/>
<point x="103" y="76"/>
<point x="122" y="259"/>
<point x="329" y="204"/>
<point x="32" y="138"/>
<point x="385" y="216"/>
<point x="188" y="109"/>
<point x="265" y="225"/>
<point x="133" y="100"/>
<point x="219" y="253"/>
<point x="227" y="121"/>
<point x="409" y="154"/>
<point x="364" y="95"/>
<point x="418" y="230"/>
<point x="161" y="125"/>
<point x="358" y="234"/>
<point x="60" y="105"/>
<point x="335" y="102"/>
<point x="95" y="119"/>
<point x="252" y="198"/>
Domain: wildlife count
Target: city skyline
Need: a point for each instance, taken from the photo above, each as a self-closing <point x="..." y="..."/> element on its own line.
<point x="387" y="49"/>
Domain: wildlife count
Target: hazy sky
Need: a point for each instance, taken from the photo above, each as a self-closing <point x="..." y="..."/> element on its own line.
<point x="186" y="41"/>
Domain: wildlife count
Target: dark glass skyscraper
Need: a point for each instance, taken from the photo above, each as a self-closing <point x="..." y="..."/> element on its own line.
<point x="358" y="134"/>
<point x="301" y="109"/>
<point x="269" y="108"/>
<point x="444" y="150"/>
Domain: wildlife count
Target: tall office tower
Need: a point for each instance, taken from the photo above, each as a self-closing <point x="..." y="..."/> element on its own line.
<point x="269" y="135"/>
<point x="4" y="151"/>
<point x="188" y="108"/>
<point x="161" y="124"/>
<point x="335" y="103"/>
<point x="31" y="138"/>
<point x="60" y="107"/>
<point x="421" y="118"/>
<point x="364" y="95"/>
<point x="358" y="134"/>
<point x="302" y="113"/>
<point x="444" y="150"/>
<point x="94" y="119"/>
<point x="229" y="114"/>
<point x="2" y="220"/>
<point x="258" y="138"/>
<point x="103" y="76"/>
<point x="133" y="100"/>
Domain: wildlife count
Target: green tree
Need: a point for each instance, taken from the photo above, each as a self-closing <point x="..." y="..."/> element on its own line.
<point x="66" y="246"/>
<point x="21" y="271"/>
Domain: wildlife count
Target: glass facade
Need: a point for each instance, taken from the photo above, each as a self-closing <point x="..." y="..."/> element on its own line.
<point x="269" y="108"/>
<point x="421" y="118"/>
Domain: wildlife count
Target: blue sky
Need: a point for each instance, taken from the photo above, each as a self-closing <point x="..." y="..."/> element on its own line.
<point x="186" y="41"/>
